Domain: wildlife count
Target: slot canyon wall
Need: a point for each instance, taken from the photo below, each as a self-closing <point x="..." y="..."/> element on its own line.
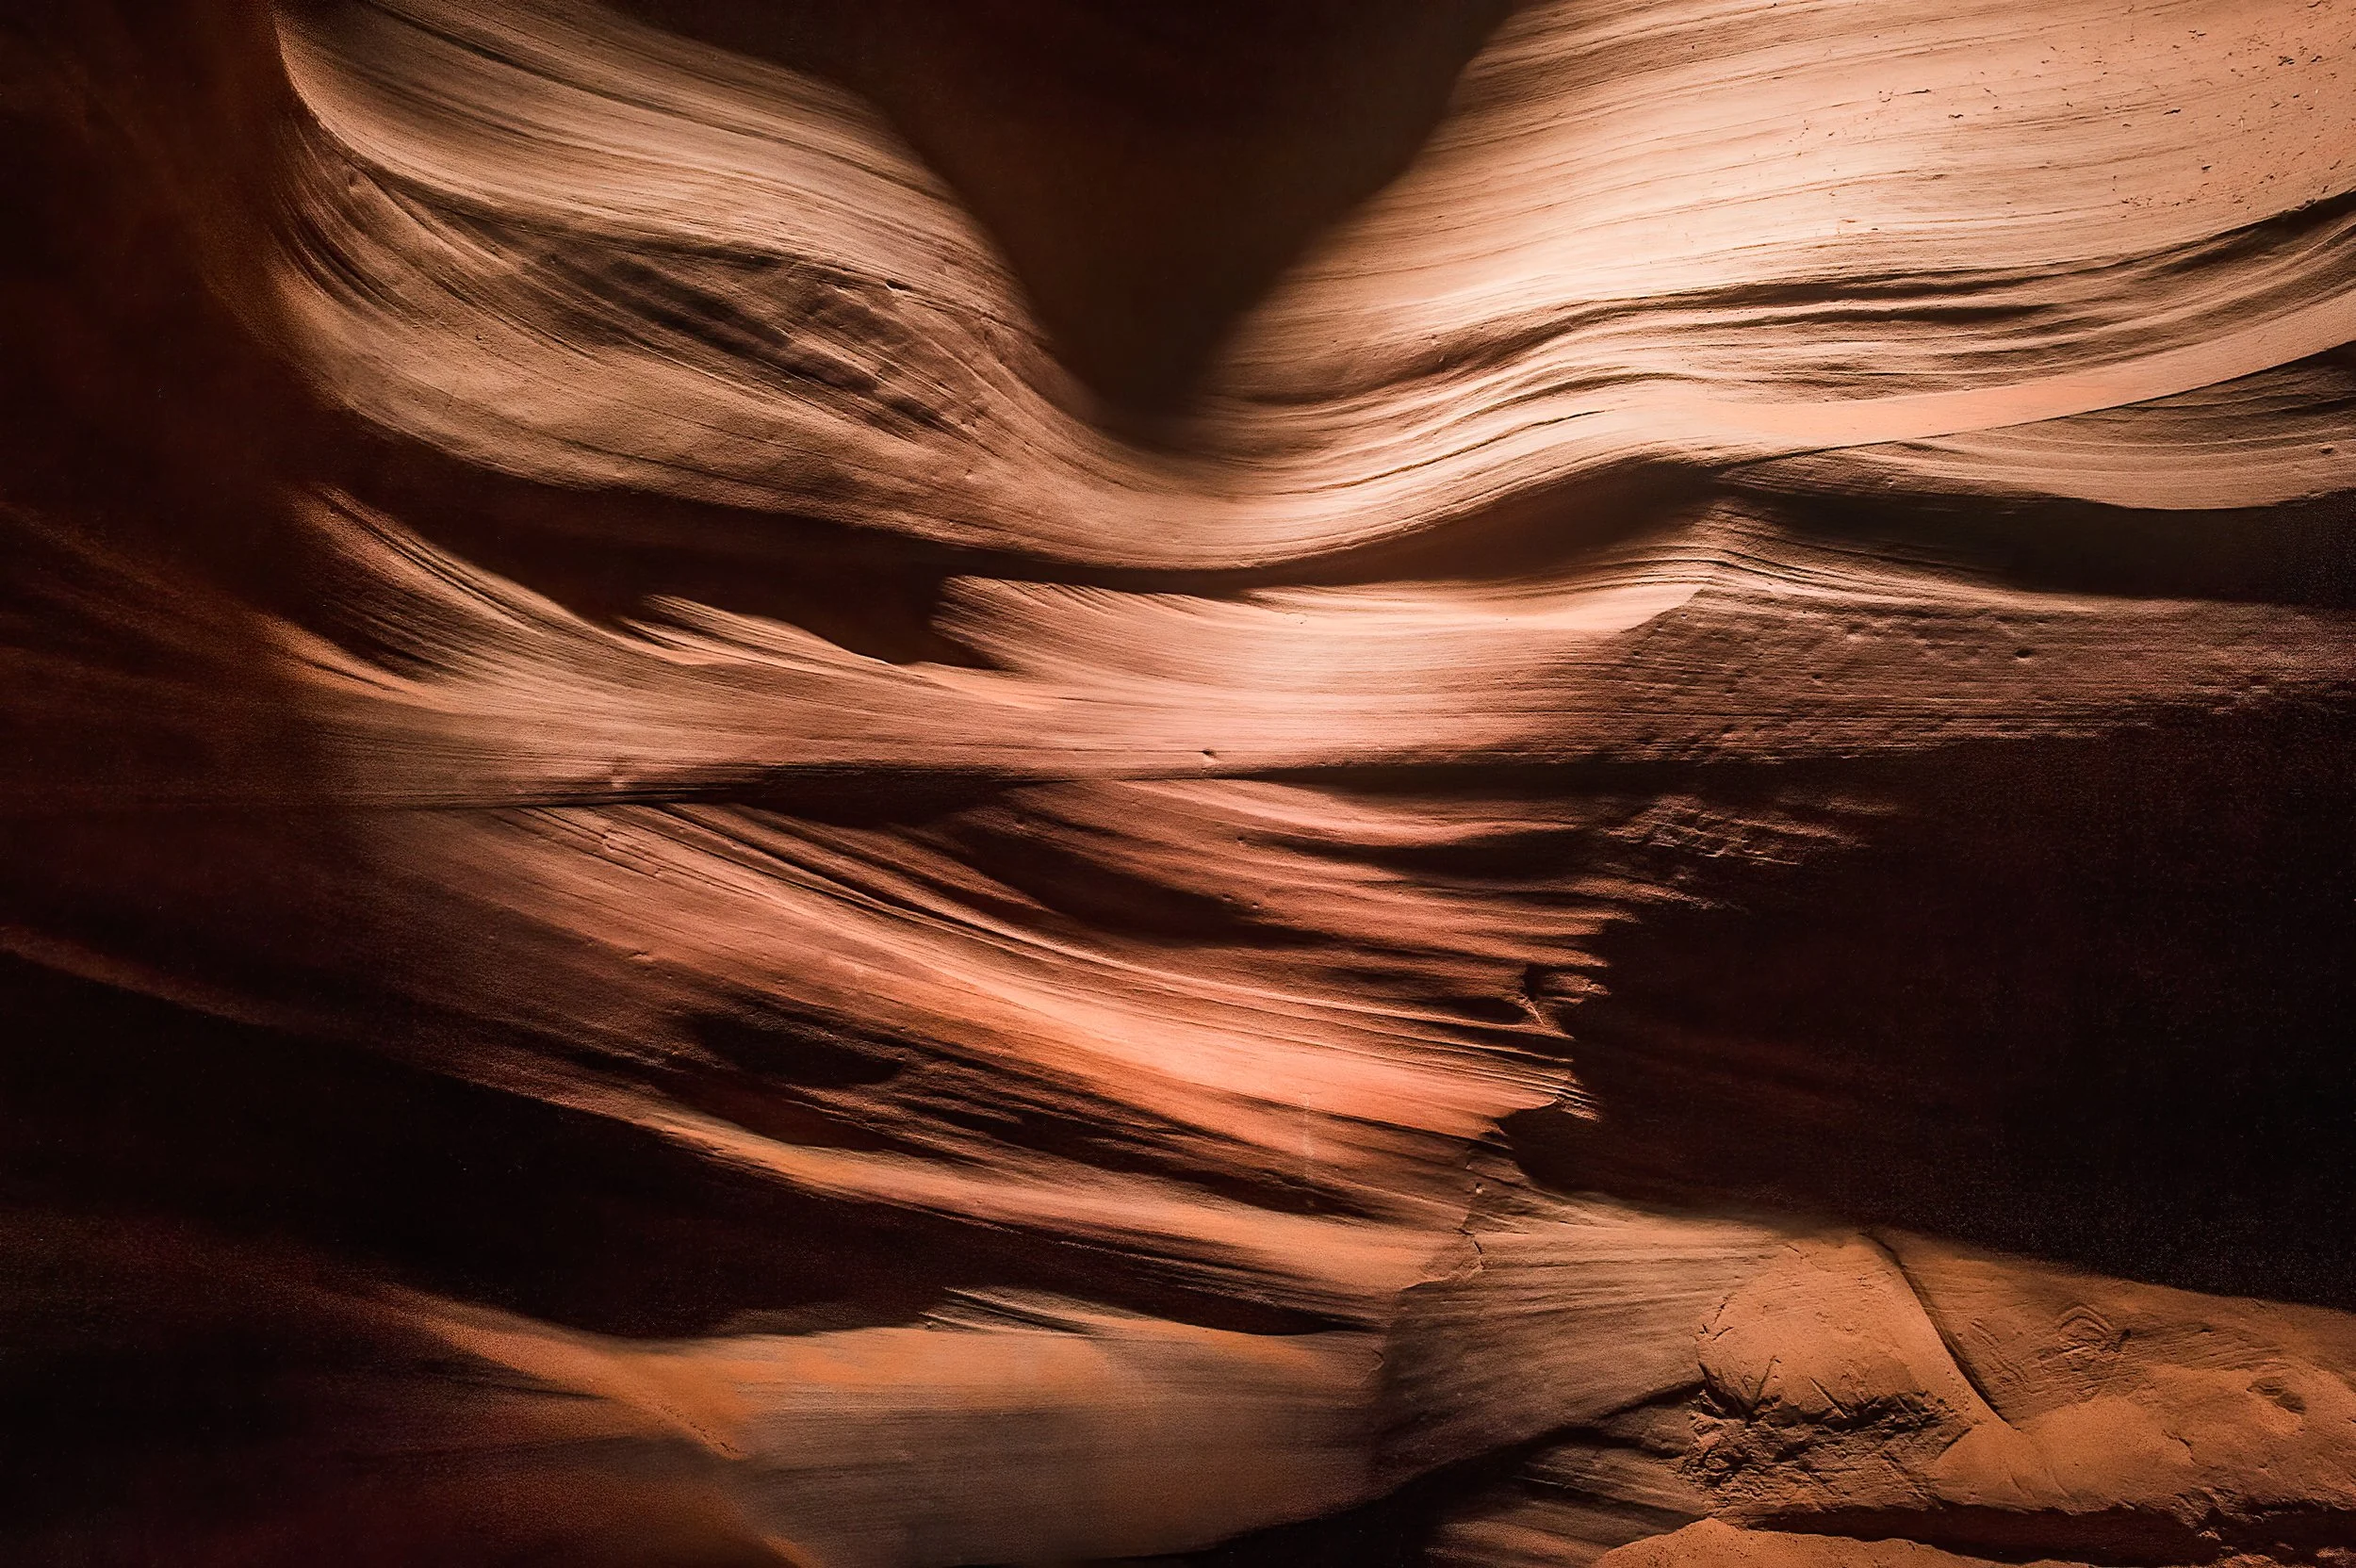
<point x="897" y="784"/>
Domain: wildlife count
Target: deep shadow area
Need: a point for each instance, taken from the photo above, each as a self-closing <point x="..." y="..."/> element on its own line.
<point x="2118" y="1537"/>
<point x="2300" y="552"/>
<point x="1147" y="170"/>
<point x="112" y="1102"/>
<point x="609" y="558"/>
<point x="136" y="401"/>
<point x="1393" y="1530"/>
<point x="2085" y="1000"/>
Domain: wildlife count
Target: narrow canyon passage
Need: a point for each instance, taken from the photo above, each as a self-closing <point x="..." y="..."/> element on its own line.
<point x="921" y="784"/>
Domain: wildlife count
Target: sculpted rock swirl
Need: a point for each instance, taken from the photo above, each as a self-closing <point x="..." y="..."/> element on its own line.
<point x="908" y="784"/>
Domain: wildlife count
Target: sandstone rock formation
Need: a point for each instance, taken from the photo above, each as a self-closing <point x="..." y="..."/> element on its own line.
<point x="917" y="784"/>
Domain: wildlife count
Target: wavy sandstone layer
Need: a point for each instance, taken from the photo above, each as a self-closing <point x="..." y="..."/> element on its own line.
<point x="905" y="785"/>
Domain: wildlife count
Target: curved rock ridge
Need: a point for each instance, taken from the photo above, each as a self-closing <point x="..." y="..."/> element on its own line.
<point x="1838" y="262"/>
<point x="903" y="786"/>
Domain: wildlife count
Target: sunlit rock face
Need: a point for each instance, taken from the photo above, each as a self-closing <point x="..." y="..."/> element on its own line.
<point x="890" y="785"/>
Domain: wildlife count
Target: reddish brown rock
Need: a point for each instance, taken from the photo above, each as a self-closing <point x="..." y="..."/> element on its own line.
<point x="913" y="784"/>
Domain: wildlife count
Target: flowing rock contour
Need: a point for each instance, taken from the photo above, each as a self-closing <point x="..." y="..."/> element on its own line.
<point x="912" y="784"/>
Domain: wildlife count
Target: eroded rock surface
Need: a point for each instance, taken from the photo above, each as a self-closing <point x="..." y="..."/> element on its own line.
<point x="905" y="785"/>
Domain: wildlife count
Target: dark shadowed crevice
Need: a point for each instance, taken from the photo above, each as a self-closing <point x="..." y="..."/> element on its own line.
<point x="2085" y="1000"/>
<point x="115" y="1102"/>
<point x="1147" y="170"/>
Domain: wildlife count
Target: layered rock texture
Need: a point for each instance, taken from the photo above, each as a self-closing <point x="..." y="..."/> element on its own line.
<point x="904" y="784"/>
